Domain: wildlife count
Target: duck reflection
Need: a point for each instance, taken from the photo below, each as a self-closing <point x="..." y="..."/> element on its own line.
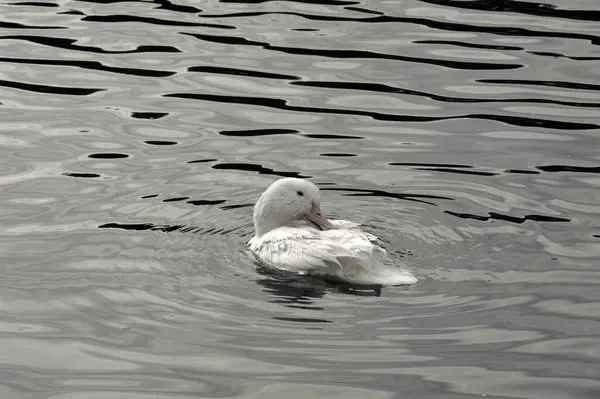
<point x="300" y="290"/>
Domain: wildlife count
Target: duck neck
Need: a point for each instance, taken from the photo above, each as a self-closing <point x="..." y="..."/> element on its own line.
<point x="261" y="229"/>
<point x="267" y="220"/>
<point x="263" y="223"/>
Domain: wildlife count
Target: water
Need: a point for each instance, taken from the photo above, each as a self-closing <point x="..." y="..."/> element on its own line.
<point x="135" y="136"/>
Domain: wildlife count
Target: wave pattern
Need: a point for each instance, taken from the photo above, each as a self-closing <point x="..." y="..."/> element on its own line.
<point x="136" y="135"/>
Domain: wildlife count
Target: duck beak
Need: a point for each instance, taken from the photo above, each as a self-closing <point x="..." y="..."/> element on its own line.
<point x="317" y="219"/>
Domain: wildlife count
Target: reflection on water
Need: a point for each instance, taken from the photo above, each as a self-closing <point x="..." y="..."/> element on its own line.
<point x="136" y="136"/>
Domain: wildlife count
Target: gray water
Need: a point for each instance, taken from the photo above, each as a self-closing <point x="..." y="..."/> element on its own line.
<point x="136" y="135"/>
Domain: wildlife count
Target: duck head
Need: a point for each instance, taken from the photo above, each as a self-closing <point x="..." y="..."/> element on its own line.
<point x="287" y="200"/>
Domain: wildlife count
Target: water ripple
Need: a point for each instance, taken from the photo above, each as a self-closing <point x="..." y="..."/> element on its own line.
<point x="282" y="104"/>
<point x="522" y="7"/>
<point x="152" y="21"/>
<point x="338" y="53"/>
<point x="68" y="44"/>
<point x="90" y="65"/>
<point x="463" y="134"/>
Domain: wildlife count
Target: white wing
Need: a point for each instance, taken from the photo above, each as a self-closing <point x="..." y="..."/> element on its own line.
<point x="354" y="228"/>
<point x="295" y="249"/>
<point x="344" y="224"/>
<point x="303" y="249"/>
<point x="347" y="253"/>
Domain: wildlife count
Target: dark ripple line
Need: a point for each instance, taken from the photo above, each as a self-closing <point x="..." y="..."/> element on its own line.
<point x="181" y="228"/>
<point x="167" y="5"/>
<point x="551" y="83"/>
<point x="112" y="1"/>
<point x="355" y="192"/>
<point x="149" y="115"/>
<point x="90" y="65"/>
<point x="520" y="7"/>
<point x="333" y="136"/>
<point x="282" y="104"/>
<point x="513" y="219"/>
<point x="522" y="172"/>
<point x="569" y="168"/>
<point x="460" y="171"/>
<point x="16" y="25"/>
<point x="459" y="168"/>
<point x="533" y="122"/>
<point x="148" y="20"/>
<point x="228" y="207"/>
<point x="203" y="160"/>
<point x="364" y="10"/>
<point x="447" y="26"/>
<point x="206" y="202"/>
<point x="162" y="4"/>
<point x="249" y="167"/>
<point x="176" y="199"/>
<point x="257" y="132"/>
<point x="337" y="154"/>
<point x="320" y="2"/>
<point x="242" y="72"/>
<point x="440" y="165"/>
<point x="202" y="202"/>
<point x="300" y="319"/>
<point x="108" y="155"/>
<point x="344" y="54"/>
<point x="558" y="55"/>
<point x="32" y="4"/>
<point x="71" y="12"/>
<point x="69" y="91"/>
<point x="470" y="45"/>
<point x="300" y="306"/>
<point x="141" y="226"/>
<point x="160" y="142"/>
<point x="383" y="88"/>
<point x="64" y="43"/>
<point x="83" y="175"/>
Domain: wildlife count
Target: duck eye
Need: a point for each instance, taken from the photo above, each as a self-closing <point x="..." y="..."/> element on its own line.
<point x="300" y="193"/>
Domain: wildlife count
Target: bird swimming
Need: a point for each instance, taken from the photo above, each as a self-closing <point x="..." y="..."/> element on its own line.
<point x="293" y="234"/>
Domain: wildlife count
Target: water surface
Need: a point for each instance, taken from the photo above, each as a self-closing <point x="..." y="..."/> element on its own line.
<point x="136" y="135"/>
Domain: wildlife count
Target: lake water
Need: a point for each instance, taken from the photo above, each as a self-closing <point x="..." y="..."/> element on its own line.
<point x="136" y="135"/>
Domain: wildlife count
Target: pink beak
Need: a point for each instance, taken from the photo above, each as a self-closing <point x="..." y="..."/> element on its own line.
<point x="317" y="219"/>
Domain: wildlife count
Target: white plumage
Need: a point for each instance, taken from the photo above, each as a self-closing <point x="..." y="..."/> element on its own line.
<point x="336" y="248"/>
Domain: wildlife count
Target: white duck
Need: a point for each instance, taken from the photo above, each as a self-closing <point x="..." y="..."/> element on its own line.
<point x="337" y="248"/>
